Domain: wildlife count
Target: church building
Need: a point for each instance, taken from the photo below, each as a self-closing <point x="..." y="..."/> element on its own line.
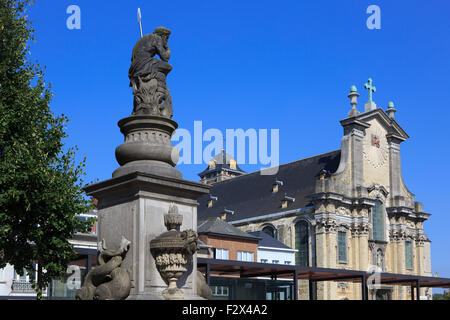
<point x="347" y="208"/>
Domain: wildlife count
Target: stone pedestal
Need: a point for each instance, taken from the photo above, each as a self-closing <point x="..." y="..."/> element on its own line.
<point x="133" y="205"/>
<point x="369" y="106"/>
<point x="147" y="146"/>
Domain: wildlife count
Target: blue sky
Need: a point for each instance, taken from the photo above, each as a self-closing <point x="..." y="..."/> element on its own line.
<point x="262" y="64"/>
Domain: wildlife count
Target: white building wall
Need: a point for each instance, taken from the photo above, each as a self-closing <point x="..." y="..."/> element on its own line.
<point x="6" y="282"/>
<point x="273" y="254"/>
<point x="6" y="277"/>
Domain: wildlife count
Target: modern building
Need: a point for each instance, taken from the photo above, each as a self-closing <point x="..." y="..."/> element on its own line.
<point x="344" y="209"/>
<point x="270" y="250"/>
<point x="14" y="286"/>
<point x="227" y="242"/>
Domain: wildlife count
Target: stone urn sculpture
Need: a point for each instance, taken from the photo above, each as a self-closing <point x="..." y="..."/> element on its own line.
<point x="173" y="251"/>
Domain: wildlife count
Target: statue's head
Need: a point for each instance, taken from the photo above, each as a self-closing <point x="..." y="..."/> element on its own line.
<point x="163" y="32"/>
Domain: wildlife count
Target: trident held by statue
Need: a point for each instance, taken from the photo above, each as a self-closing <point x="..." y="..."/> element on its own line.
<point x="139" y="20"/>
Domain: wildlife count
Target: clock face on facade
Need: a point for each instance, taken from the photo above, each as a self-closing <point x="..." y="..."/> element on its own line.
<point x="375" y="149"/>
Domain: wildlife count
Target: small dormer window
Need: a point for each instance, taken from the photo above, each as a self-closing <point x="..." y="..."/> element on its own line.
<point x="276" y="185"/>
<point x="225" y="213"/>
<point x="286" y="201"/>
<point x="233" y="164"/>
<point x="211" y="200"/>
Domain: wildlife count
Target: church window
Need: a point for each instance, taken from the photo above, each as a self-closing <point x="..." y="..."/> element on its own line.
<point x="408" y="255"/>
<point x="302" y="243"/>
<point x="342" y="246"/>
<point x="377" y="222"/>
<point x="271" y="231"/>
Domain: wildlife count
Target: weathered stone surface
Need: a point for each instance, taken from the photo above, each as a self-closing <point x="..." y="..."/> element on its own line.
<point x="173" y="251"/>
<point x="203" y="290"/>
<point x="108" y="281"/>
<point x="134" y="205"/>
<point x="147" y="147"/>
<point x="148" y="74"/>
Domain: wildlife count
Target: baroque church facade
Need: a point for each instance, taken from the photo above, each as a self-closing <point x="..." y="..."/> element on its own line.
<point x="347" y="208"/>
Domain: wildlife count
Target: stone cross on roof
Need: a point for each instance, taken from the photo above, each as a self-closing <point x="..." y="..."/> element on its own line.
<point x="370" y="87"/>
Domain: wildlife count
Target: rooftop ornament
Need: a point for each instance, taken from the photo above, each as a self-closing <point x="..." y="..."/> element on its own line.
<point x="391" y="110"/>
<point x="353" y="96"/>
<point x="370" y="105"/>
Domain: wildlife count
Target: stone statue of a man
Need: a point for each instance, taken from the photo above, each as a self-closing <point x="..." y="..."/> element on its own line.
<point x="148" y="74"/>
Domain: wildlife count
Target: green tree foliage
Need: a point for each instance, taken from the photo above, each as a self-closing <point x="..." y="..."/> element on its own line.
<point x="439" y="296"/>
<point x="40" y="183"/>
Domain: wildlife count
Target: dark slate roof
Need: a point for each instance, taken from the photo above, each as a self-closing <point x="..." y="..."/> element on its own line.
<point x="250" y="195"/>
<point x="217" y="226"/>
<point x="268" y="241"/>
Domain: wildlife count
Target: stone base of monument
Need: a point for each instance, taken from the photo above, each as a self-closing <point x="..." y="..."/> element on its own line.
<point x="160" y="296"/>
<point x="133" y="206"/>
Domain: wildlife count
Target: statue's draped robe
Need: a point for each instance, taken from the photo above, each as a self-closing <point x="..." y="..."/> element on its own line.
<point x="143" y="63"/>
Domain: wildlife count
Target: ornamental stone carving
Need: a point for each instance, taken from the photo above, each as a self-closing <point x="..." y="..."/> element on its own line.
<point x="173" y="251"/>
<point x="326" y="224"/>
<point x="359" y="229"/>
<point x="397" y="235"/>
<point x="148" y="74"/>
<point x="420" y="240"/>
<point x="147" y="132"/>
<point x="342" y="285"/>
<point x="377" y="251"/>
<point x="109" y="280"/>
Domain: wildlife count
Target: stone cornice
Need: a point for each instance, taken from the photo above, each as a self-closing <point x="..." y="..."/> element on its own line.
<point x="407" y="212"/>
<point x="331" y="196"/>
<point x="395" y="130"/>
<point x="136" y="184"/>
<point x="330" y="222"/>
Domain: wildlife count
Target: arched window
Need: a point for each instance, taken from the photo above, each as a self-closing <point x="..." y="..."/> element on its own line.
<point x="378" y="221"/>
<point x="302" y="243"/>
<point x="271" y="231"/>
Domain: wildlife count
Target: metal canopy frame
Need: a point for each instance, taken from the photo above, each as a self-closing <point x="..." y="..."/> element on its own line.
<point x="245" y="269"/>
